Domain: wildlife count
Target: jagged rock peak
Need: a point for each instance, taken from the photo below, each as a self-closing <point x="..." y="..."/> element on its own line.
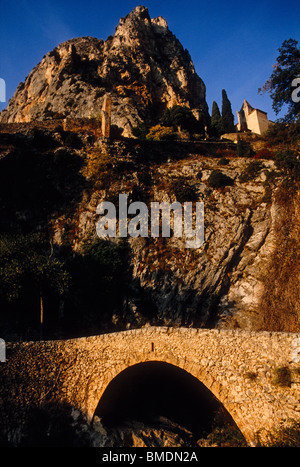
<point x="143" y="66"/>
<point x="139" y="15"/>
<point x="138" y="26"/>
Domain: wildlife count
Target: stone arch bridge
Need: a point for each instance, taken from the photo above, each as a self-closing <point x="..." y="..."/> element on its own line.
<point x="238" y="367"/>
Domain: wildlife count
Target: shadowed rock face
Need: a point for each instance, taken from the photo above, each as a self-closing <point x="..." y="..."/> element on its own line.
<point x="143" y="66"/>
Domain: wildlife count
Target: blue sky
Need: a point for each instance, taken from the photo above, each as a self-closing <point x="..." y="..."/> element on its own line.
<point x="233" y="44"/>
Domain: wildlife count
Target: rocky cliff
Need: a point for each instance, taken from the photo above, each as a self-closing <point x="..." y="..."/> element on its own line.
<point x="161" y="282"/>
<point x="61" y="176"/>
<point x="142" y="66"/>
<point x="202" y="286"/>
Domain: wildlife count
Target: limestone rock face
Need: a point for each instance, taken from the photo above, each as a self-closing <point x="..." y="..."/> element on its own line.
<point x="220" y="284"/>
<point x="137" y="434"/>
<point x="143" y="67"/>
<point x="217" y="285"/>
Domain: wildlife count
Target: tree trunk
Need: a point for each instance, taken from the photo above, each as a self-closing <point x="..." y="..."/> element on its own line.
<point x="41" y="316"/>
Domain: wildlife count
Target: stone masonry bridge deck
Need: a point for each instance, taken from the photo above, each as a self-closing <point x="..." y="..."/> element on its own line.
<point x="77" y="371"/>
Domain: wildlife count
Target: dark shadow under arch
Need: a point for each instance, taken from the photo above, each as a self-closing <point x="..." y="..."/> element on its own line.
<point x="147" y="391"/>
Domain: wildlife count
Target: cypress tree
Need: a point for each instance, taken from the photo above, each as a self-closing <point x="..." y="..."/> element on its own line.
<point x="216" y="120"/>
<point x="227" y="115"/>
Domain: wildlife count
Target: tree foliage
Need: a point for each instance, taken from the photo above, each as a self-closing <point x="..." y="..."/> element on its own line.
<point x="216" y="120"/>
<point x="141" y="130"/>
<point x="181" y="117"/>
<point x="27" y="265"/>
<point x="35" y="184"/>
<point x="227" y="115"/>
<point x="279" y="85"/>
<point x="98" y="283"/>
<point x="31" y="278"/>
<point x="243" y="148"/>
<point x="288" y="162"/>
<point x="57" y="290"/>
<point x="283" y="135"/>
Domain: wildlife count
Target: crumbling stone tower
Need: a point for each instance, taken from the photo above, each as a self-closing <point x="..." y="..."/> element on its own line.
<point x="106" y="116"/>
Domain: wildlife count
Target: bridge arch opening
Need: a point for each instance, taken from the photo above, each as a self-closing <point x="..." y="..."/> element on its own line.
<point x="151" y="391"/>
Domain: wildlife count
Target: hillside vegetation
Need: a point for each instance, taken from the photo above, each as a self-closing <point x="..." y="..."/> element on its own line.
<point x="59" y="279"/>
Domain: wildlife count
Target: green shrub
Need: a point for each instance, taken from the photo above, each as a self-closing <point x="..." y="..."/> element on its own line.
<point x="104" y="254"/>
<point x="183" y="190"/>
<point x="160" y="132"/>
<point x="218" y="180"/>
<point x="43" y="140"/>
<point x="225" y="432"/>
<point x="251" y="171"/>
<point x="271" y="176"/>
<point x="282" y="377"/>
<point x="72" y="140"/>
<point x="243" y="148"/>
<point x="267" y="196"/>
<point x="50" y="425"/>
<point x="141" y="131"/>
<point x="288" y="162"/>
<point x="223" y="161"/>
<point x="282" y="135"/>
<point x="182" y="117"/>
<point x="43" y="184"/>
<point x="251" y="375"/>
